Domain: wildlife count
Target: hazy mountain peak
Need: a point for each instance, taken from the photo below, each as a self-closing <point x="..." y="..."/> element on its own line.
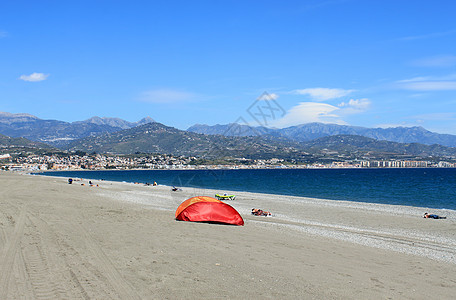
<point x="7" y="114"/>
<point x="145" y="121"/>
<point x="6" y="117"/>
<point x="311" y="131"/>
<point x="115" y="122"/>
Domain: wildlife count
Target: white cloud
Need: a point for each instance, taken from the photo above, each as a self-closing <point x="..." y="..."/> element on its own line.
<point x="436" y="61"/>
<point x="167" y="96"/>
<point x="428" y="83"/>
<point x="34" y="77"/>
<point x="450" y="77"/>
<point x="322" y="94"/>
<point x="415" y="79"/>
<point x="430" y="86"/>
<point x="307" y="112"/>
<point x="428" y="36"/>
<point x="355" y="106"/>
<point x="267" y="96"/>
<point x="446" y="116"/>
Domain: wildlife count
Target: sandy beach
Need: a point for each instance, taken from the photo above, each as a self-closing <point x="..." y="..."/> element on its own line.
<point x="121" y="241"/>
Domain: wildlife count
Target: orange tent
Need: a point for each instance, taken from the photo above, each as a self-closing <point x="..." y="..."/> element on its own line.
<point x="208" y="209"/>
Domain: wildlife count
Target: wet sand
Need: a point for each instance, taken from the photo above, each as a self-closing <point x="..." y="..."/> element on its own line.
<point x="120" y="241"/>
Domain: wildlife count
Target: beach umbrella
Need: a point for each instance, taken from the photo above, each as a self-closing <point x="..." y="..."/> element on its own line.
<point x="208" y="209"/>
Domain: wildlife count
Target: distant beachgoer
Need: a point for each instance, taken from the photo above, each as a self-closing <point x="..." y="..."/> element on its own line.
<point x="90" y="181"/>
<point x="174" y="189"/>
<point x="70" y="181"/>
<point x="432" y="216"/>
<point x="155" y="183"/>
<point x="260" y="212"/>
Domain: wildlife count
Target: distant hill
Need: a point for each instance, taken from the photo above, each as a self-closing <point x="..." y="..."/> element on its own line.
<point x="232" y="129"/>
<point x="6" y="141"/>
<point x="354" y="143"/>
<point x="311" y="131"/>
<point x="115" y="122"/>
<point x="13" y="145"/>
<point x="308" y="141"/>
<point x="59" y="133"/>
<point x="158" y="138"/>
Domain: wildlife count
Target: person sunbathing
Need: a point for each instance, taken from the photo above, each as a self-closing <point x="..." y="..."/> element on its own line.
<point x="432" y="216"/>
<point x="259" y="212"/>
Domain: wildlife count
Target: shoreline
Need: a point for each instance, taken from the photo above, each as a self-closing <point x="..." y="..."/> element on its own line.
<point x="266" y="193"/>
<point x="121" y="240"/>
<point x="211" y="168"/>
<point x="347" y="203"/>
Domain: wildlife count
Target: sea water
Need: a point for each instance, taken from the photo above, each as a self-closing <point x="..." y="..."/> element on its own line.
<point x="423" y="187"/>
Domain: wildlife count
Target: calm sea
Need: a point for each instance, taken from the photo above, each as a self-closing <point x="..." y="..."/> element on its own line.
<point x="435" y="188"/>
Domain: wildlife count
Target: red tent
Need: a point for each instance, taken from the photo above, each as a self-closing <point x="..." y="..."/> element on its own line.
<point x="208" y="209"/>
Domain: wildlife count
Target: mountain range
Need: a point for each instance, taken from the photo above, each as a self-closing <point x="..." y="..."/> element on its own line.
<point x="311" y="131"/>
<point x="350" y="144"/>
<point x="60" y="133"/>
<point x="313" y="140"/>
<point x="159" y="138"/>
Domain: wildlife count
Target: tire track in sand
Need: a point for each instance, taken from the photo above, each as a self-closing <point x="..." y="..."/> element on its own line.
<point x="9" y="254"/>
<point x="58" y="250"/>
<point x="115" y="279"/>
<point x="86" y="267"/>
<point x="38" y="271"/>
<point x="34" y="270"/>
<point x="23" y="283"/>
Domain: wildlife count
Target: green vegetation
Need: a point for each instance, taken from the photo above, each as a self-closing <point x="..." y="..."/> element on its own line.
<point x="202" y="149"/>
<point x="218" y="149"/>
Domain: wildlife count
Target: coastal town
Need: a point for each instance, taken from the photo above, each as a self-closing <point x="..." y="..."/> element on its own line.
<point x="81" y="161"/>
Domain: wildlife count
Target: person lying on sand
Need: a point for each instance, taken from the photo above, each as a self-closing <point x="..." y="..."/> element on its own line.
<point x="429" y="216"/>
<point x="259" y="212"/>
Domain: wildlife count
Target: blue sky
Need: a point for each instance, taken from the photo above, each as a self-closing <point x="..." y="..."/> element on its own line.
<point x="364" y="63"/>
